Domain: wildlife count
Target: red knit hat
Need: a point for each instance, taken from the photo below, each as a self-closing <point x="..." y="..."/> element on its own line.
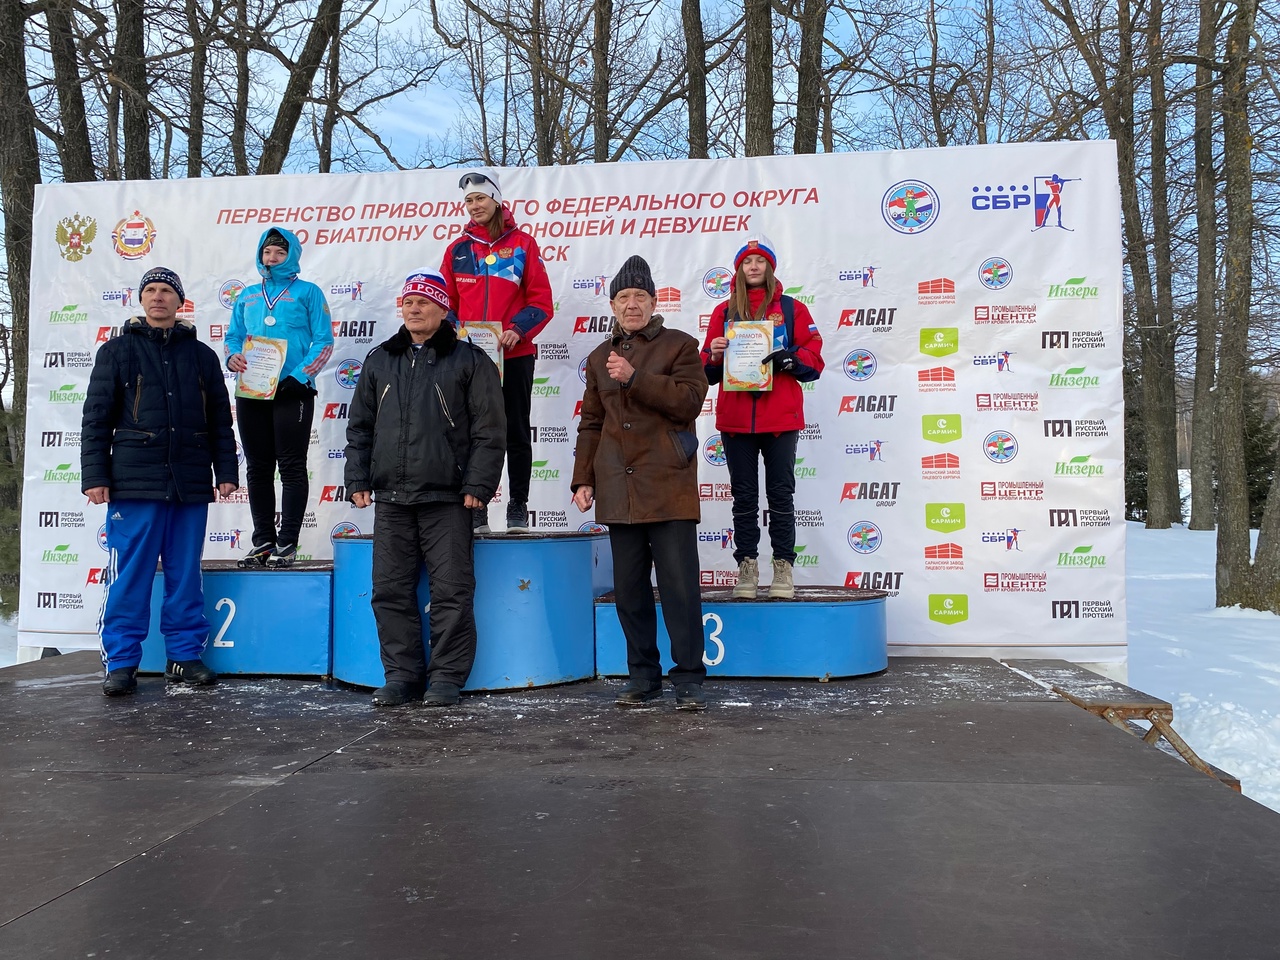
<point x="427" y="285"/>
<point x="756" y="243"/>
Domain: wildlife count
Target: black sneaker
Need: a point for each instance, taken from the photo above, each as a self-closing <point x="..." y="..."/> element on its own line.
<point x="282" y="556"/>
<point x="689" y="696"/>
<point x="396" y="693"/>
<point x="192" y="672"/>
<point x="441" y="693"/>
<point x="480" y="520"/>
<point x="517" y="517"/>
<point x="120" y="682"/>
<point x="636" y="694"/>
<point x="257" y="557"/>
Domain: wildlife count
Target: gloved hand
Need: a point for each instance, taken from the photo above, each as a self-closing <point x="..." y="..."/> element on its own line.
<point x="784" y="361"/>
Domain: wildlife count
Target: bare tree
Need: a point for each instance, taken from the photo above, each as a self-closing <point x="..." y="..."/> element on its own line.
<point x="19" y="174"/>
<point x="1203" y="507"/>
<point x="758" y="30"/>
<point x="301" y="75"/>
<point x="695" y="46"/>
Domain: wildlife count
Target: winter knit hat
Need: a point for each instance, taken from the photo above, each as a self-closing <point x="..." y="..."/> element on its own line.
<point x="427" y="285"/>
<point x="276" y="239"/>
<point x="162" y="275"/>
<point x="756" y="243"/>
<point x="481" y="181"/>
<point x="634" y="275"/>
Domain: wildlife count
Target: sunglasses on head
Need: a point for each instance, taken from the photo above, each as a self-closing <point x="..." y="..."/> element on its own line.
<point x="472" y="180"/>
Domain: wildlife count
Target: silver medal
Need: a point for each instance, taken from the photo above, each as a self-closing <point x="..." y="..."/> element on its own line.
<point x="269" y="320"/>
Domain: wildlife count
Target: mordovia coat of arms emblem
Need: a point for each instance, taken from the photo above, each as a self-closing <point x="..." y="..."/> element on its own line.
<point x="75" y="236"/>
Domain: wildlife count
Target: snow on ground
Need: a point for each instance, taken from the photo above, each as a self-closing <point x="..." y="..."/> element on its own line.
<point x="1220" y="668"/>
<point x="8" y="641"/>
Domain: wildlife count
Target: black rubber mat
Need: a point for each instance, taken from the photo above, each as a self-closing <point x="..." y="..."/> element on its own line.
<point x="945" y="809"/>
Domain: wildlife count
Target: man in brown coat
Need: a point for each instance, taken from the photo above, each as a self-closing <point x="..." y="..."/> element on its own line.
<point x="634" y="459"/>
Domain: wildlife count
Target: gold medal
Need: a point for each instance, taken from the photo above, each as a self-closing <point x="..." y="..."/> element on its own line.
<point x="491" y="259"/>
<point x="730" y="333"/>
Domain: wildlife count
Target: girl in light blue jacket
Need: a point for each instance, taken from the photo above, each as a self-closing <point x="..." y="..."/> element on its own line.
<point x="275" y="432"/>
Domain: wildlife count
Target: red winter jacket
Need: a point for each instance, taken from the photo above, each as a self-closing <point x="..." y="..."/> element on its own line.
<point x="782" y="408"/>
<point x="512" y="287"/>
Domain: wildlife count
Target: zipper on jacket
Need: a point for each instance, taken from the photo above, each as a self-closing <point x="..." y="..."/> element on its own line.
<point x="137" y="396"/>
<point x="444" y="406"/>
<point x="378" y="409"/>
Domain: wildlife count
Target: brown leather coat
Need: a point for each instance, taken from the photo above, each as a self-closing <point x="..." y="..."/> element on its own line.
<point x="636" y="444"/>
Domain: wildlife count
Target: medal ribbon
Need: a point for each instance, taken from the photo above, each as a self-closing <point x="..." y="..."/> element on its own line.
<point x="271" y="304"/>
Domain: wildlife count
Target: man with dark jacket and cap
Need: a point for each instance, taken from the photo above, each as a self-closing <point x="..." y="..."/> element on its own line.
<point x="426" y="440"/>
<point x="156" y="437"/>
<point x="634" y="460"/>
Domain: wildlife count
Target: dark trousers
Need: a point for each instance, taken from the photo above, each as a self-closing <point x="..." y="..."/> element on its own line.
<point x="517" y="397"/>
<point x="671" y="548"/>
<point x="743" y="452"/>
<point x="276" y="432"/>
<point x="404" y="538"/>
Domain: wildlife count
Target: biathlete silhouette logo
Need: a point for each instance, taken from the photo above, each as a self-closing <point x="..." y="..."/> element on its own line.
<point x="1049" y="200"/>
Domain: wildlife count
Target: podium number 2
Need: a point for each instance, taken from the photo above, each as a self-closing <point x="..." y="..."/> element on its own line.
<point x="714" y="637"/>
<point x="226" y="624"/>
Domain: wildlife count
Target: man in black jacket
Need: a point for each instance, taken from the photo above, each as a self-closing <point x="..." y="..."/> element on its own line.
<point x="426" y="439"/>
<point x="156" y="437"/>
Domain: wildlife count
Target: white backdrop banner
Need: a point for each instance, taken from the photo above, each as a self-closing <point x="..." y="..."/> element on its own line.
<point x="964" y="447"/>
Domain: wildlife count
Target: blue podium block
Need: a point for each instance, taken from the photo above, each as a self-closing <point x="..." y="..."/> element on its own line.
<point x="534" y="615"/>
<point x="273" y="622"/>
<point x="824" y="633"/>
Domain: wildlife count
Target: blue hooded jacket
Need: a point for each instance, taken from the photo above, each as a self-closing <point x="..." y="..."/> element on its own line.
<point x="301" y="313"/>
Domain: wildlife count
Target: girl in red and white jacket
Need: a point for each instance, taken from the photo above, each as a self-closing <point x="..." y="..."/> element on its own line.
<point x="494" y="272"/>
<point x="763" y="424"/>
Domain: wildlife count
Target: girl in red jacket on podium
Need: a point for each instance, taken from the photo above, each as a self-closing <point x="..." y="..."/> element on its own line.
<point x="494" y="273"/>
<point x="763" y="424"/>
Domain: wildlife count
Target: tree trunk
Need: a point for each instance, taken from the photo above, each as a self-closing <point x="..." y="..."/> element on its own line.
<point x="240" y="112"/>
<point x="75" y="149"/>
<point x="813" y="24"/>
<point x="1203" y="506"/>
<point x="131" y="74"/>
<point x="1266" y="560"/>
<point x="195" y="91"/>
<point x="19" y="174"/>
<point x="1233" y="574"/>
<point x="982" y="107"/>
<point x="696" y="67"/>
<point x="330" y="119"/>
<point x="758" y="26"/>
<point x="936" y="101"/>
<point x="1159" y="395"/>
<point x="543" y="136"/>
<point x="600" y="80"/>
<point x="298" y="88"/>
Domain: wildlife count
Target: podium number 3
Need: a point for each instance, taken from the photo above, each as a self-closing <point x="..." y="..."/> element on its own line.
<point x="226" y="624"/>
<point x="713" y="637"/>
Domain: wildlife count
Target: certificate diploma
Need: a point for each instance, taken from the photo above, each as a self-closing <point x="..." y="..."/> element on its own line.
<point x="484" y="334"/>
<point x="750" y="341"/>
<point x="265" y="359"/>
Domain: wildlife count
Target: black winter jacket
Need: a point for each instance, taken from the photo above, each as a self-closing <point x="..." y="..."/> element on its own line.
<point x="157" y="417"/>
<point x="426" y="426"/>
